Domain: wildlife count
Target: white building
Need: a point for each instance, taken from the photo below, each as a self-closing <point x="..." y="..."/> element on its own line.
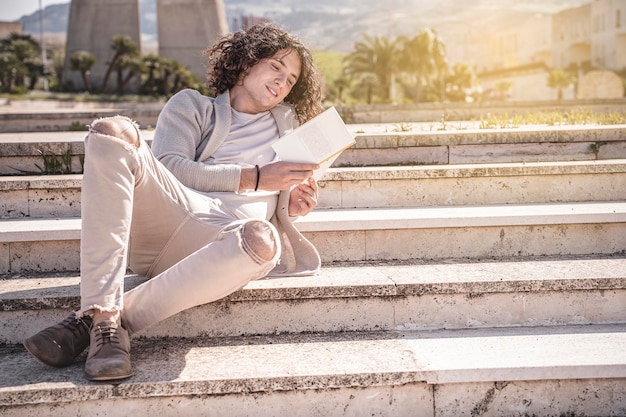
<point x="522" y="51"/>
<point x="608" y="34"/>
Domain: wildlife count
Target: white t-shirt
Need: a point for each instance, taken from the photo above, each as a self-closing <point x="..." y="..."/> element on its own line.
<point x="248" y="144"/>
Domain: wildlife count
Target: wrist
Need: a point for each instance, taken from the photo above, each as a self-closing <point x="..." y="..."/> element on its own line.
<point x="247" y="179"/>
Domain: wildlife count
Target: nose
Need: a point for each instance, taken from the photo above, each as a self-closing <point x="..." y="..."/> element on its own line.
<point x="281" y="79"/>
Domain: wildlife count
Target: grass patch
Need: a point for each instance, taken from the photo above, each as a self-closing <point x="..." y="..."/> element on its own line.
<point x="572" y="117"/>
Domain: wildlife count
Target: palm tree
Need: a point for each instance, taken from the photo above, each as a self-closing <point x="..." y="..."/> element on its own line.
<point x="83" y="61"/>
<point x="122" y="45"/>
<point x="559" y="79"/>
<point x="377" y="56"/>
<point x="423" y="60"/>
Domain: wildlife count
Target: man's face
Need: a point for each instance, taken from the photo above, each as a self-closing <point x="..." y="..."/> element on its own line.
<point x="267" y="83"/>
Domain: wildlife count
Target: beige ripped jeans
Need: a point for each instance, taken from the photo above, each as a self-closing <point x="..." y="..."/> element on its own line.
<point x="136" y="213"/>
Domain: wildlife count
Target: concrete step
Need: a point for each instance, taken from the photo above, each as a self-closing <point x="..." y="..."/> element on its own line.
<point x="474" y="146"/>
<point x="22" y="152"/>
<point x="70" y="116"/>
<point x="372" y="296"/>
<point x="404" y="186"/>
<point x="379" y="234"/>
<point x="570" y="370"/>
<point x="474" y="184"/>
<point x="40" y="196"/>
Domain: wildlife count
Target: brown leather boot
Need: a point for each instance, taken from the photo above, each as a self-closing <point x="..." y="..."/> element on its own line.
<point x="59" y="345"/>
<point x="109" y="353"/>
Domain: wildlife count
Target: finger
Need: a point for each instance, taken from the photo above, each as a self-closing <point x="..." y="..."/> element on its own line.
<point x="306" y="189"/>
<point x="303" y="175"/>
<point x="293" y="166"/>
<point x="309" y="200"/>
<point x="312" y="184"/>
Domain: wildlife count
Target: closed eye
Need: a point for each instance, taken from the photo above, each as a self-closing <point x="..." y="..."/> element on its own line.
<point x="278" y="65"/>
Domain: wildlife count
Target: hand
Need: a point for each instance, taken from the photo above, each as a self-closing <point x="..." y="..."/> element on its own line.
<point x="303" y="198"/>
<point x="278" y="176"/>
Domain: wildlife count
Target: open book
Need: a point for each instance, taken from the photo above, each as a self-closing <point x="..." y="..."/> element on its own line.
<point x="318" y="141"/>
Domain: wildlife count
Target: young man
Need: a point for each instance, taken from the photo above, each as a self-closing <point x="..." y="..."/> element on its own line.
<point x="208" y="209"/>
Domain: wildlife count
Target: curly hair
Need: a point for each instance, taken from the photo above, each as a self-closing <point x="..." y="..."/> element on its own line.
<point x="235" y="54"/>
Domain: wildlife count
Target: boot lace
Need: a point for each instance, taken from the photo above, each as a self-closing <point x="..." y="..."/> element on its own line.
<point x="78" y="326"/>
<point x="106" y="335"/>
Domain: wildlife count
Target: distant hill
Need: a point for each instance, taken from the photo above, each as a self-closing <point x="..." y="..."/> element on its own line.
<point x="336" y="24"/>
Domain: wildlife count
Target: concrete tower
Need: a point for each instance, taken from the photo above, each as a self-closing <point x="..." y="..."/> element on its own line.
<point x="91" y="28"/>
<point x="187" y="27"/>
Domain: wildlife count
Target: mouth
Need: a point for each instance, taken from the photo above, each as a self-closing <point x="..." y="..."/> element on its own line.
<point x="272" y="91"/>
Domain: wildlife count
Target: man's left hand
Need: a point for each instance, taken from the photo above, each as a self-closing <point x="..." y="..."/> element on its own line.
<point x="303" y="198"/>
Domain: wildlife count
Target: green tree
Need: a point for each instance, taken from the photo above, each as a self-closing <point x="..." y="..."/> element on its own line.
<point x="182" y="78"/>
<point x="334" y="80"/>
<point x="502" y="89"/>
<point x="25" y="55"/>
<point x="10" y="70"/>
<point x="339" y="86"/>
<point x="58" y="61"/>
<point x="164" y="76"/>
<point x="122" y="45"/>
<point x="459" y="80"/>
<point x="134" y="67"/>
<point x="365" y="86"/>
<point x="440" y="60"/>
<point x="423" y="60"/>
<point x="152" y="68"/>
<point x="83" y="62"/>
<point x="168" y="68"/>
<point x="559" y="79"/>
<point x="374" y="56"/>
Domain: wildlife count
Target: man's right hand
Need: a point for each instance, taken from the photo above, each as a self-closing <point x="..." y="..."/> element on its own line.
<point x="276" y="176"/>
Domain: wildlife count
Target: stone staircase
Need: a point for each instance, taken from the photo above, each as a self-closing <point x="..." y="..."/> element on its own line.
<point x="466" y="273"/>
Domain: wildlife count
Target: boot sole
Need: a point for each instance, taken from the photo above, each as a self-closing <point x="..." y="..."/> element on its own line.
<point x="108" y="378"/>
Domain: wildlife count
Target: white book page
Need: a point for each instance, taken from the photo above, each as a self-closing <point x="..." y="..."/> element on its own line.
<point x="318" y="141"/>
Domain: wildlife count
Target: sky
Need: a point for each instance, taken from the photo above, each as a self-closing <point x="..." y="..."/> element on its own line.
<point x="11" y="10"/>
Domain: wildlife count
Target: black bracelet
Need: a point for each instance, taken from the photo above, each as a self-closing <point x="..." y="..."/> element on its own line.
<point x="258" y="177"/>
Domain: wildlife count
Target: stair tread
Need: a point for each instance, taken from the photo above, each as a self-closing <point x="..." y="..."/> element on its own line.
<point x="28" y="229"/>
<point x="377" y="279"/>
<point x="8" y="182"/>
<point x="319" y="361"/>
<point x="462" y="216"/>
<point x="383" y="134"/>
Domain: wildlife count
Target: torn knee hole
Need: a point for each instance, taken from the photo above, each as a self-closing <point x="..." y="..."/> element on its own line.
<point x="258" y="236"/>
<point x="119" y="127"/>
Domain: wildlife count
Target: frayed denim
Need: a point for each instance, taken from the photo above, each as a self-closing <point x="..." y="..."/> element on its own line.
<point x="136" y="214"/>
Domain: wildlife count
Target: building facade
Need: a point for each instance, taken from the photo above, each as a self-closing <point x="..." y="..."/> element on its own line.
<point x="7" y="28"/>
<point x="522" y="51"/>
<point x="608" y="34"/>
